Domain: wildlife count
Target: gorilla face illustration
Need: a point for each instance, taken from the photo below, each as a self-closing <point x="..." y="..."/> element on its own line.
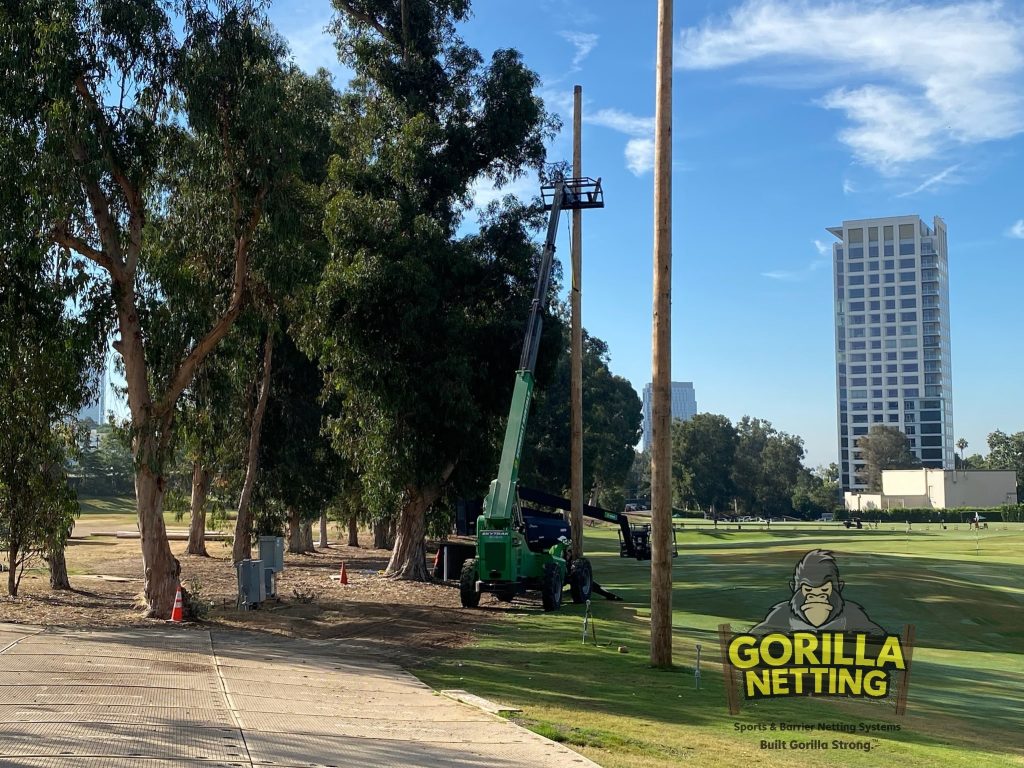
<point x="817" y="604"/>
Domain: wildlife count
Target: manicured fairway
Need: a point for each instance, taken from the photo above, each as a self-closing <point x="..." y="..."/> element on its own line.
<point x="964" y="592"/>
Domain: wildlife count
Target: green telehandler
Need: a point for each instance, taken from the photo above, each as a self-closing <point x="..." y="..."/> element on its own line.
<point x="509" y="561"/>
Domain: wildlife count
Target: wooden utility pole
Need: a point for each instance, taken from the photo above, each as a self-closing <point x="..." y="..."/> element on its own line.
<point x="661" y="364"/>
<point x="576" y="356"/>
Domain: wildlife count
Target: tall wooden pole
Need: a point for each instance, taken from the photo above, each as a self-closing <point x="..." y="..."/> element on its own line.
<point x="576" y="356"/>
<point x="661" y="364"/>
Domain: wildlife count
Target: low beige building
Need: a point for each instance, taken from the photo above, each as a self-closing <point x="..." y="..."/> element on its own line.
<point x="938" y="489"/>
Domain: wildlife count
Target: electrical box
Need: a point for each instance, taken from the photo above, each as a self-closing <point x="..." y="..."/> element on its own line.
<point x="270" y="581"/>
<point x="252" y="588"/>
<point x="272" y="552"/>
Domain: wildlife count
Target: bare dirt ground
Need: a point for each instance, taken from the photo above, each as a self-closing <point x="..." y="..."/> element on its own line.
<point x="402" y="620"/>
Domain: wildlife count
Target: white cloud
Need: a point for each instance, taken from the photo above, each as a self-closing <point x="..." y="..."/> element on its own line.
<point x="913" y="80"/>
<point x="798" y="275"/>
<point x="639" y="150"/>
<point x="485" y="192"/>
<point x="848" y="187"/>
<point x="931" y="181"/>
<point x="640" y="156"/>
<point x="583" y="43"/>
<point x="623" y="122"/>
<point x="1017" y="230"/>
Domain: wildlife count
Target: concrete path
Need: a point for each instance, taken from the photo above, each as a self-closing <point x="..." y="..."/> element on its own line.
<point x="198" y="699"/>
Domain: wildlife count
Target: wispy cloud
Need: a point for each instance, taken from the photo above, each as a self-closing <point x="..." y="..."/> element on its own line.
<point x="798" y="275"/>
<point x="485" y="192"/>
<point x="639" y="151"/>
<point x="583" y="43"/>
<point x="848" y="187"/>
<point x="1017" y="230"/>
<point x="932" y="181"/>
<point x="912" y="80"/>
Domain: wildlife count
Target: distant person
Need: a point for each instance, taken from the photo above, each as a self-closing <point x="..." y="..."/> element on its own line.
<point x="908" y="526"/>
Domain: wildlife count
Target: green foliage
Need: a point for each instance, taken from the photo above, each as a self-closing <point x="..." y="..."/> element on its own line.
<point x="106" y="468"/>
<point x="818" y="492"/>
<point x="611" y="427"/>
<point x="884" y="448"/>
<point x="1012" y="513"/>
<point x="47" y="359"/>
<point x="703" y="455"/>
<point x="1007" y="452"/>
<point x="416" y="327"/>
<point x="767" y="467"/>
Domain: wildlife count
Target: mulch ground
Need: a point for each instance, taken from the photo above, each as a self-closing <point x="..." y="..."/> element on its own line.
<point x="401" y="619"/>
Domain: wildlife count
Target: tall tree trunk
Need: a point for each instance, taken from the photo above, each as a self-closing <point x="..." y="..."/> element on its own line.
<point x="294" y="532"/>
<point x="12" y="572"/>
<point x="307" y="536"/>
<point x="409" y="555"/>
<point x="380" y="534"/>
<point x="353" y="532"/>
<point x="58" y="570"/>
<point x="323" y="543"/>
<point x="242" y="548"/>
<point x="160" y="569"/>
<point x="201" y="478"/>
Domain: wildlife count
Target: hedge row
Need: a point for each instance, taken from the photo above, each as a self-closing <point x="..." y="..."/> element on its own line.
<point x="1013" y="513"/>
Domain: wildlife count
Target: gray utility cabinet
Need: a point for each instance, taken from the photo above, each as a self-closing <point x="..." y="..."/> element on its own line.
<point x="252" y="588"/>
<point x="272" y="552"/>
<point x="272" y="555"/>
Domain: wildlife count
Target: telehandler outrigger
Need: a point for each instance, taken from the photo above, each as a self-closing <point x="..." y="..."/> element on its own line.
<point x="507" y="561"/>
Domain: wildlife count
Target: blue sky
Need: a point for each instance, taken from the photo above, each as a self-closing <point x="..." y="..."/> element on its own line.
<point x="789" y="117"/>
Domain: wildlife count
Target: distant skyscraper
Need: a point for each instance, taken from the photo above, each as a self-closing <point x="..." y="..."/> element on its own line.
<point x="892" y="338"/>
<point x="96" y="409"/>
<point x="684" y="406"/>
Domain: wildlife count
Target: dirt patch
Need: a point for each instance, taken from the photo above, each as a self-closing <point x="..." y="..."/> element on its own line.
<point x="402" y="620"/>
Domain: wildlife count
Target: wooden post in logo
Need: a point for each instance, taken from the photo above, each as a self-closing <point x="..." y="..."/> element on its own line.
<point x="908" y="655"/>
<point x="728" y="672"/>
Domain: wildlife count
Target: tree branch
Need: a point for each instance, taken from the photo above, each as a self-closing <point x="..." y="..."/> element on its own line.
<point x="205" y="346"/>
<point x="130" y="191"/>
<point x="367" y="19"/>
<point x="60" y="235"/>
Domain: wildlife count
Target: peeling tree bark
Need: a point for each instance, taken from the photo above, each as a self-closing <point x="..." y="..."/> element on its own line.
<point x="201" y="478"/>
<point x="58" y="570"/>
<point x="242" y="548"/>
<point x="380" y="535"/>
<point x="323" y="543"/>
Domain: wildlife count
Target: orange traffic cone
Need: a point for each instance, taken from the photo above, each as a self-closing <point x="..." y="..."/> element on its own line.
<point x="344" y="575"/>
<point x="176" y="610"/>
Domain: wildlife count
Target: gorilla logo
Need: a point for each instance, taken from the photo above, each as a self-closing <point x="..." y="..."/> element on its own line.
<point x="817" y="603"/>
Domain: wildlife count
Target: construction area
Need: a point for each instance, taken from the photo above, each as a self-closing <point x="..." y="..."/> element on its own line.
<point x="185" y="697"/>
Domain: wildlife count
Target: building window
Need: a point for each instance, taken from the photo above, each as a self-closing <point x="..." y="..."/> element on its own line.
<point x="908" y="303"/>
<point x="890" y="317"/>
<point x="909" y="418"/>
<point x="890" y="290"/>
<point x="907" y="264"/>
<point x="873" y="265"/>
<point x="856" y="306"/>
<point x="911" y="392"/>
<point x="893" y="393"/>
<point x="861" y="369"/>
<point x="857" y="266"/>
<point x="908" y="317"/>
<point x="889" y="263"/>
<point x="890" y="277"/>
<point x="908" y="405"/>
<point x="877" y="417"/>
<point x="876" y="369"/>
<point x="907" y="290"/>
<point x="893" y="406"/>
<point x="858" y="280"/>
<point x="855" y="293"/>
<point x="894" y="418"/>
<point x="905" y="277"/>
<point x="908" y="330"/>
<point x="910" y="367"/>
<point x="873" y="292"/>
<point x="906" y="249"/>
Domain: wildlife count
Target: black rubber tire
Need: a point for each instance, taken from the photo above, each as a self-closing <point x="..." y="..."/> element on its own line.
<point x="581" y="580"/>
<point x="551" y="587"/>
<point x="467" y="584"/>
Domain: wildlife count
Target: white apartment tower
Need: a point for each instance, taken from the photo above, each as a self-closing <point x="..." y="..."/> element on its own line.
<point x="892" y="337"/>
<point x="684" y="406"/>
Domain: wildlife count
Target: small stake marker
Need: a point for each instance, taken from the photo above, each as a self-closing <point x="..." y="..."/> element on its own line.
<point x="696" y="670"/>
<point x="343" y="576"/>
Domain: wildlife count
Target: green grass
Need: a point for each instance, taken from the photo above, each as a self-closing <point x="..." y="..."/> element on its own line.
<point x="117" y="513"/>
<point x="964" y="594"/>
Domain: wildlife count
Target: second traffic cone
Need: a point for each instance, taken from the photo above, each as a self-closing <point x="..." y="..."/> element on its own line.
<point x="343" y="579"/>
<point x="177" y="609"/>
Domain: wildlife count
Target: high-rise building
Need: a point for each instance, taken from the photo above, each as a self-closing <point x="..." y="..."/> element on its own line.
<point x="892" y="338"/>
<point x="684" y="406"/>
<point x="96" y="408"/>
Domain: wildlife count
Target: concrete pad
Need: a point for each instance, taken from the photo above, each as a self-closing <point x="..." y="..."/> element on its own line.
<point x="177" y="697"/>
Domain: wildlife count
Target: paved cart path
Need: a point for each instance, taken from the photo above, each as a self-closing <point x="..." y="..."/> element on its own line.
<point x="152" y="698"/>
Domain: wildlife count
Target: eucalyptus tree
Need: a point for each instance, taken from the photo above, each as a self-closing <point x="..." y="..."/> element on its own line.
<point x="415" y="323"/>
<point x="114" y="105"/>
<point x="49" y="357"/>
